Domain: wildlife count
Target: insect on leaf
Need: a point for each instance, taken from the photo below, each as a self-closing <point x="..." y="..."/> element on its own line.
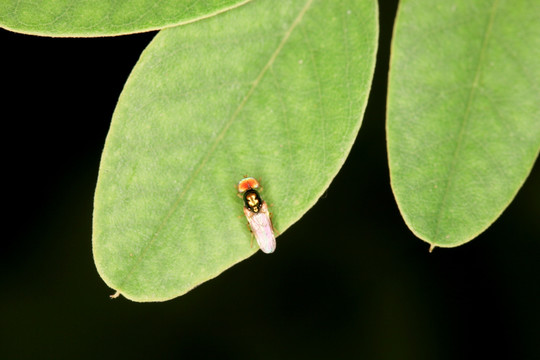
<point x="273" y="92"/>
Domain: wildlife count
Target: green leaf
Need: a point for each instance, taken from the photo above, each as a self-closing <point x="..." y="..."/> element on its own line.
<point x="463" y="126"/>
<point x="273" y="92"/>
<point x="88" y="18"/>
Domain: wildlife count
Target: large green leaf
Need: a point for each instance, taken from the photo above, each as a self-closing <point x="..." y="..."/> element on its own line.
<point x="104" y="17"/>
<point x="463" y="124"/>
<point x="274" y="92"/>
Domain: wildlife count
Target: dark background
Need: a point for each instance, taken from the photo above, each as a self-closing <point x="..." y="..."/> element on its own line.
<point x="342" y="284"/>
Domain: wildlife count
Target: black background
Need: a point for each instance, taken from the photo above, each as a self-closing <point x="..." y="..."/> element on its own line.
<point x="349" y="280"/>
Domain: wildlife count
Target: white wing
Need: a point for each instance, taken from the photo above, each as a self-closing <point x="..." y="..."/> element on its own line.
<point x="262" y="228"/>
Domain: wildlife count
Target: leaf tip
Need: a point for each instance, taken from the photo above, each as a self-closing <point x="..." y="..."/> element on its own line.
<point x="115" y="295"/>
<point x="431" y="247"/>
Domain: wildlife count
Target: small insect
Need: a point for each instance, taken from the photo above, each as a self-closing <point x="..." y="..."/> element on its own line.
<point x="257" y="214"/>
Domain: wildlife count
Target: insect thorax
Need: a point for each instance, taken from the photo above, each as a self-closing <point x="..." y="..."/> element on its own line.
<point x="252" y="200"/>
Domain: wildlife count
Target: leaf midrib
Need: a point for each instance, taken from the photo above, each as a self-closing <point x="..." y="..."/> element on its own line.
<point x="217" y="141"/>
<point x="465" y="120"/>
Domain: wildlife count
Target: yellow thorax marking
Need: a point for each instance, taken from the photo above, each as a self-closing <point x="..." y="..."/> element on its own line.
<point x="252" y="201"/>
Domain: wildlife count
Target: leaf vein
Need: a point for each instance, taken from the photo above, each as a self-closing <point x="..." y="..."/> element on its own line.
<point x="217" y="141"/>
<point x="466" y="118"/>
